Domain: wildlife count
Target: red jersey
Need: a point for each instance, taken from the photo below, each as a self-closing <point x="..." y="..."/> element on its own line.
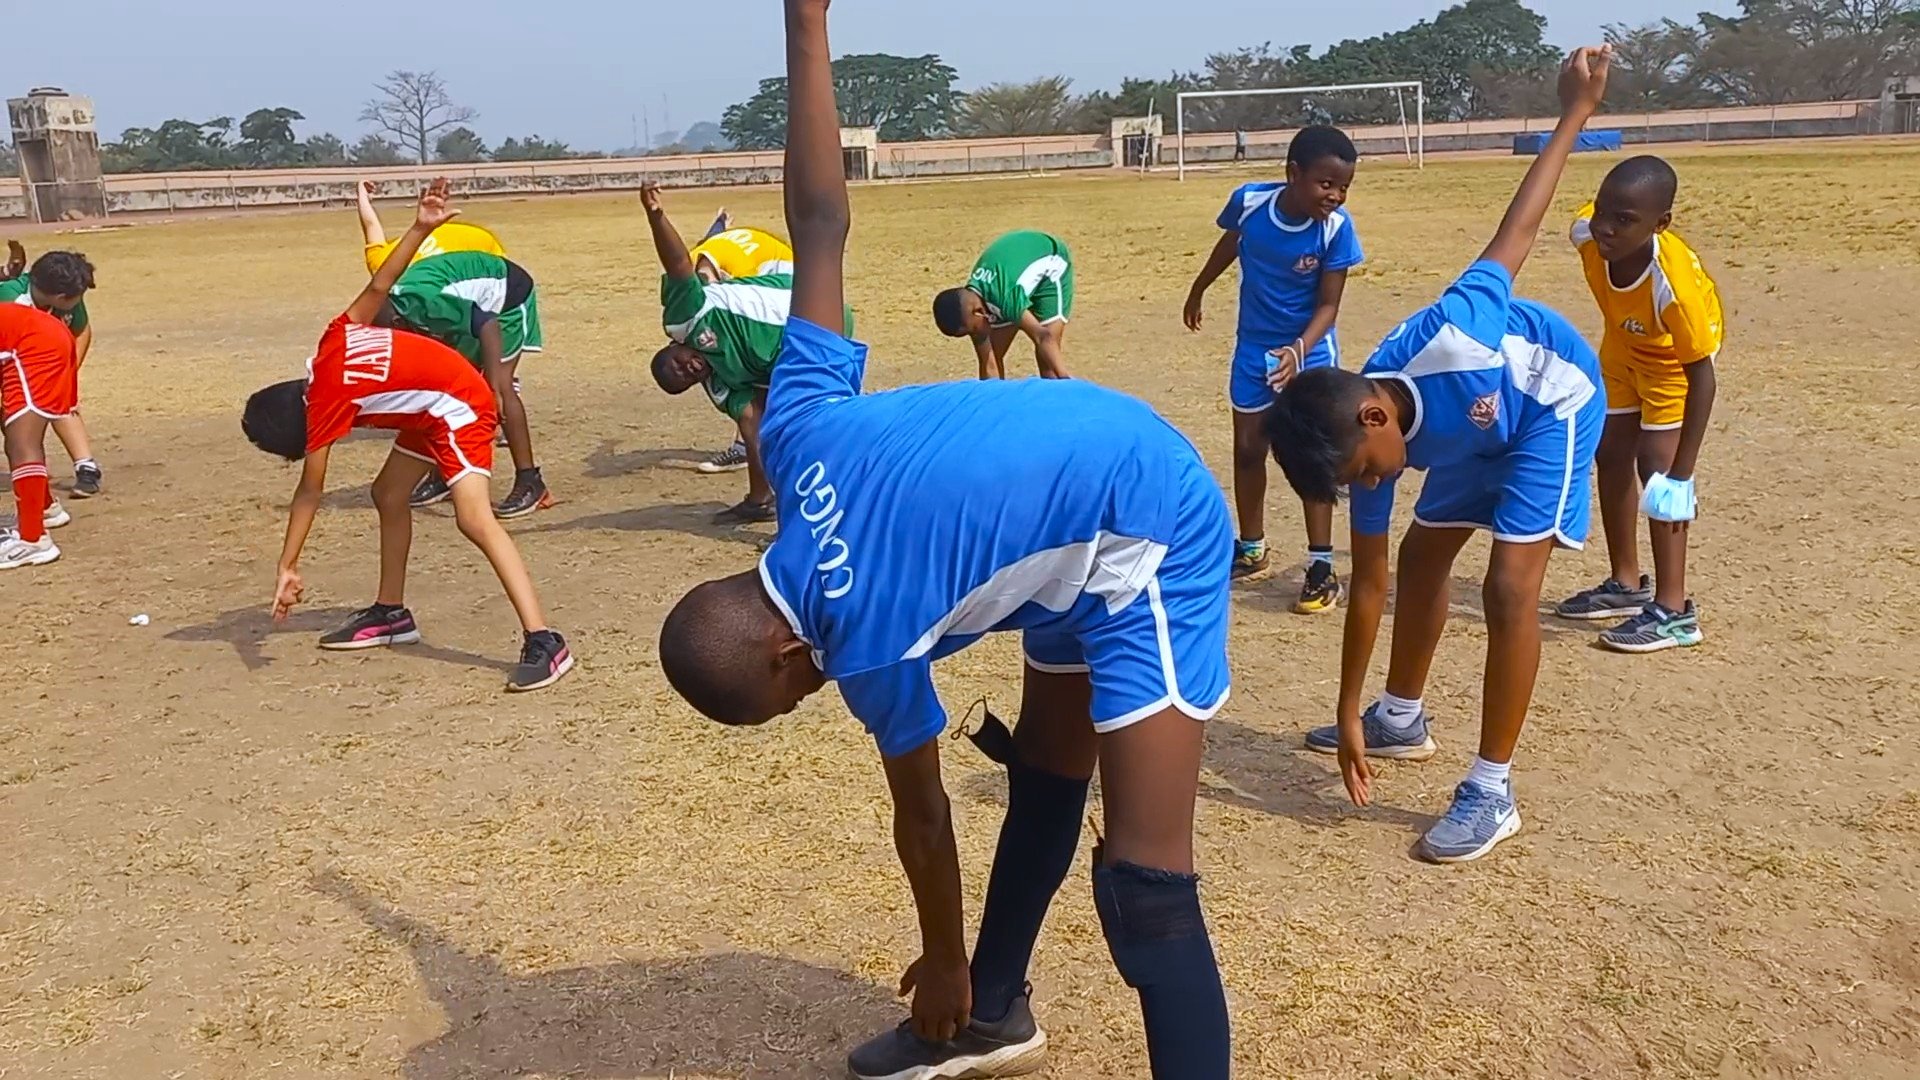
<point x="36" y="364"/>
<point x="374" y="377"/>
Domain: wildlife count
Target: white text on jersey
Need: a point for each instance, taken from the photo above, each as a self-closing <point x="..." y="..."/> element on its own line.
<point x="369" y="355"/>
<point x="820" y="507"/>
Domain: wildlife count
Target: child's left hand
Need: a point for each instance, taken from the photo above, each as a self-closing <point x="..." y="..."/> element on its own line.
<point x="434" y="209"/>
<point x="16" y="260"/>
<point x="1667" y="499"/>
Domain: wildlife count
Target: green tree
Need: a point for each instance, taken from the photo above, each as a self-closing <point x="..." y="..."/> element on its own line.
<point x="267" y="140"/>
<point x="908" y="98"/>
<point x="1773" y="51"/>
<point x="532" y="148"/>
<point x="460" y="146"/>
<point x="1136" y="97"/>
<point x="377" y="150"/>
<point x="324" y="150"/>
<point x="414" y="108"/>
<point x="1041" y="107"/>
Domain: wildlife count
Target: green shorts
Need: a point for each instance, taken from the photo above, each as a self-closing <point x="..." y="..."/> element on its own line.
<point x="1053" y="300"/>
<point x="520" y="330"/>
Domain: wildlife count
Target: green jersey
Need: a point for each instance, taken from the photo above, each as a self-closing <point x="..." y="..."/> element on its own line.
<point x="20" y="291"/>
<point x="737" y="325"/>
<point x="1025" y="271"/>
<point x="452" y="296"/>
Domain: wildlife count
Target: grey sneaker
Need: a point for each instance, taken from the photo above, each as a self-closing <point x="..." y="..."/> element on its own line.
<point x="732" y="459"/>
<point x="1477" y="820"/>
<point x="1654" y="629"/>
<point x="1607" y="600"/>
<point x="55" y="516"/>
<point x="1011" y="1046"/>
<point x="1415" y="744"/>
<point x="86" y="481"/>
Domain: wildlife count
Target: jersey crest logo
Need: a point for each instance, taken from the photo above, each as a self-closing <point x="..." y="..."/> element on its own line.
<point x="1307" y="264"/>
<point x="1633" y="326"/>
<point x="706" y="340"/>
<point x="1485" y="410"/>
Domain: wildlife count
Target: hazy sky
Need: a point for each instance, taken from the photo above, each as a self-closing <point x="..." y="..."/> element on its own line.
<point x="583" y="70"/>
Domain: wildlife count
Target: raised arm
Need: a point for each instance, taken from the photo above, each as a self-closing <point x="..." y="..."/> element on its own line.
<point x="816" y="184"/>
<point x="433" y="211"/>
<point x="674" y="258"/>
<point x="1583" y="82"/>
<point x="371" y="231"/>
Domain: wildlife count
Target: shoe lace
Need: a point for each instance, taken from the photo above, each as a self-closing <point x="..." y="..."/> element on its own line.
<point x="1469" y="801"/>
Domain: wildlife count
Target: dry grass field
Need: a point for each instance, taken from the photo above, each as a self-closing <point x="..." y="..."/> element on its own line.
<point x="228" y="855"/>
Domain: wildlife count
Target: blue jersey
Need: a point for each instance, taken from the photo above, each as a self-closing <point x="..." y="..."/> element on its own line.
<point x="916" y="520"/>
<point x="1488" y="373"/>
<point x="1281" y="260"/>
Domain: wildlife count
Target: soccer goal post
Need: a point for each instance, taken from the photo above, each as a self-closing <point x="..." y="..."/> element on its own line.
<point x="1413" y="128"/>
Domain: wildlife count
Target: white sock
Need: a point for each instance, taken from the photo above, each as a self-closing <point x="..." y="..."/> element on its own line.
<point x="1399" y="713"/>
<point x="1315" y="555"/>
<point x="85" y="462"/>
<point x="1488" y="776"/>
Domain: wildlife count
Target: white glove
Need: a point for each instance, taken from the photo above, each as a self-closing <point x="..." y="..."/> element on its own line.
<point x="1667" y="499"/>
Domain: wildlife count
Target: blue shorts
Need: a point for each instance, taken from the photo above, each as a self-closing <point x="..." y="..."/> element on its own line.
<point x="1247" y="386"/>
<point x="1169" y="646"/>
<point x="1536" y="490"/>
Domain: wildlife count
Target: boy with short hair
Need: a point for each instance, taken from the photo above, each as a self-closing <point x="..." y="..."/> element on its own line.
<point x="1109" y="555"/>
<point x="58" y="284"/>
<point x="1023" y="282"/>
<point x="368" y="376"/>
<point x="1664" y="329"/>
<point x="1295" y="244"/>
<point x="485" y="307"/>
<point x="36" y="389"/>
<point x="1499" y="399"/>
<point x="724" y="335"/>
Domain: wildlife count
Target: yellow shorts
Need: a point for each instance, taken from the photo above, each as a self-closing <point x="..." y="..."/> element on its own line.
<point x="1656" y="392"/>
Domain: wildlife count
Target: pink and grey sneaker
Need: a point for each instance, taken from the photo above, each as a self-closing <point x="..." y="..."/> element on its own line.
<point x="544" y="660"/>
<point x="381" y="624"/>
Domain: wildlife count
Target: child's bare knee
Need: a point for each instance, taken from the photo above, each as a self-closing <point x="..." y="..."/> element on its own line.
<point x="1509" y="596"/>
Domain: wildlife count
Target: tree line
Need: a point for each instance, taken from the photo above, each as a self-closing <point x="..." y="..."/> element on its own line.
<point x="1477" y="59"/>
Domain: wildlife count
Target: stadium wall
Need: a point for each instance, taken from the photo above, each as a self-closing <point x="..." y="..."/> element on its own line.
<point x="183" y="192"/>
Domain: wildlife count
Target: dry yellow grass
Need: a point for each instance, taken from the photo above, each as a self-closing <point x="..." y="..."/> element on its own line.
<point x="231" y="856"/>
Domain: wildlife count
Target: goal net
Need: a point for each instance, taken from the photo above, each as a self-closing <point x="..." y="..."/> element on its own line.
<point x="1214" y="128"/>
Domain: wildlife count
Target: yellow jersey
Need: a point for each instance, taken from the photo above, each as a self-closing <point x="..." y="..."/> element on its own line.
<point x="1669" y="318"/>
<point x="453" y="236"/>
<point x="739" y="253"/>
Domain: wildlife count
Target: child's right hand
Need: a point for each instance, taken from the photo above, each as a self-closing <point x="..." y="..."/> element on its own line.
<point x="1583" y="80"/>
<point x="288" y="590"/>
<point x="650" y="197"/>
<point x="434" y="209"/>
<point x="1353" y="759"/>
<point x="16" y="260"/>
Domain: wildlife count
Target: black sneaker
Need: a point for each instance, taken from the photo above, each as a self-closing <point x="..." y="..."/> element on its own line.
<point x="1011" y="1046"/>
<point x="745" y="512"/>
<point x="529" y="494"/>
<point x="544" y="660"/>
<point x="732" y="459"/>
<point x="429" y="491"/>
<point x="86" y="481"/>
<point x="1320" y="591"/>
<point x="373" y="627"/>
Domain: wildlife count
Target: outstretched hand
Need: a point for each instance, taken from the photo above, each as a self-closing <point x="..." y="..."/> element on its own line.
<point x="16" y="260"/>
<point x="435" y="207"/>
<point x="1583" y="79"/>
<point x="650" y="197"/>
<point x="288" y="590"/>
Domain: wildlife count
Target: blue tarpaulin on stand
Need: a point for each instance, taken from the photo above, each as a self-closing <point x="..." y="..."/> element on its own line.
<point x="1589" y="141"/>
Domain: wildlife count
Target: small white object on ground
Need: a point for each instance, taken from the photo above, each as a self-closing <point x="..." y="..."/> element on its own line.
<point x="139" y="620"/>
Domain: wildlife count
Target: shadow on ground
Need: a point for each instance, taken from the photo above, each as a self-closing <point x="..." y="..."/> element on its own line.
<point x="247" y="630"/>
<point x="743" y="1015"/>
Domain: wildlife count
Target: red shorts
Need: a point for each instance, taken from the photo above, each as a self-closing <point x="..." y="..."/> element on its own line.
<point x="457" y="452"/>
<point x="36" y="365"/>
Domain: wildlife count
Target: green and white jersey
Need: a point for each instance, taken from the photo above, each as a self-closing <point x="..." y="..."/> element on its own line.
<point x="447" y="296"/>
<point x="20" y="291"/>
<point x="737" y="325"/>
<point x="1025" y="271"/>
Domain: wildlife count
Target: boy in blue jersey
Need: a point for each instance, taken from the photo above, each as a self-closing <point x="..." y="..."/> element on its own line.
<point x="1295" y="245"/>
<point x="923" y="518"/>
<point x="1500" y="400"/>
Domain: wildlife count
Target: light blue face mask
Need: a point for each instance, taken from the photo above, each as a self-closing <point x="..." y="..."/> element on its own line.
<point x="1667" y="499"/>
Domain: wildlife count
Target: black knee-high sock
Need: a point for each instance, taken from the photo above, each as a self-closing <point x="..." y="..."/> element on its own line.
<point x="1037" y="842"/>
<point x="1159" y="941"/>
